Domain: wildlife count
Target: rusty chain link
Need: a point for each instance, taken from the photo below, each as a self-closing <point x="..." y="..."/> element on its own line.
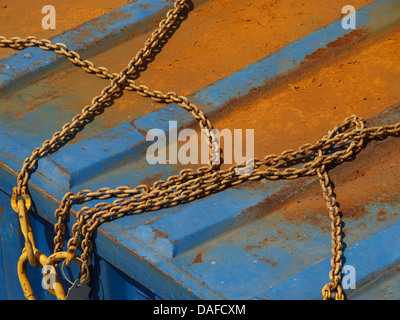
<point x="336" y="234"/>
<point x="339" y="145"/>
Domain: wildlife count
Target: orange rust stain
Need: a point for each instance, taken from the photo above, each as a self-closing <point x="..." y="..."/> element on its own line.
<point x="251" y="247"/>
<point x="62" y="169"/>
<point x="68" y="15"/>
<point x="282" y="118"/>
<point x="151" y="179"/>
<point x="382" y="213"/>
<point x="160" y="234"/>
<point x="319" y="54"/>
<point x="45" y="97"/>
<point x="271" y="262"/>
<point x="144" y="6"/>
<point x="355" y="212"/>
<point x="303" y="106"/>
<point x="143" y="132"/>
<point x="350" y="38"/>
<point x="354" y="190"/>
<point x="192" y="59"/>
<point x="264" y="243"/>
<point x="198" y="259"/>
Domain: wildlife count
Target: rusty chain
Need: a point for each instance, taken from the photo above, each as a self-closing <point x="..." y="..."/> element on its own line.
<point x="339" y="145"/>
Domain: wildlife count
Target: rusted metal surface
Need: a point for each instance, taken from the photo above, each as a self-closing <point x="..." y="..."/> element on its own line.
<point x="30" y="17"/>
<point x="258" y="240"/>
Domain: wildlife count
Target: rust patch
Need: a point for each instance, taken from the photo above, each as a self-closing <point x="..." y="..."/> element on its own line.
<point x="262" y="244"/>
<point x="355" y="212"/>
<point x="132" y="123"/>
<point x="33" y="106"/>
<point x="271" y="262"/>
<point x="73" y="14"/>
<point x="63" y="170"/>
<point x="251" y="247"/>
<point x="372" y="179"/>
<point x="148" y="181"/>
<point x="144" y="6"/>
<point x="297" y="189"/>
<point x="352" y="37"/>
<point x="160" y="234"/>
<point x="381" y="215"/>
<point x="198" y="259"/>
<point x="317" y="55"/>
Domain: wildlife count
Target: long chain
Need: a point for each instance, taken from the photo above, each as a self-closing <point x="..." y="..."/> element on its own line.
<point x="341" y="143"/>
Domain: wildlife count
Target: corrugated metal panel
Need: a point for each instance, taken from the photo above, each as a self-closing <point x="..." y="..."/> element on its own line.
<point x="265" y="239"/>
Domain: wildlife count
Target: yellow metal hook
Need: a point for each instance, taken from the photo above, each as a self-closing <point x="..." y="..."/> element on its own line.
<point x="22" y="207"/>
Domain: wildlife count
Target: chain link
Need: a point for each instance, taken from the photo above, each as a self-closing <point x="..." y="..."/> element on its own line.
<point x="339" y="145"/>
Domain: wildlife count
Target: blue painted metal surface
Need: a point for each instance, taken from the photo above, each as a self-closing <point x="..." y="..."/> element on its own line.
<point x="231" y="245"/>
<point x="86" y="38"/>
